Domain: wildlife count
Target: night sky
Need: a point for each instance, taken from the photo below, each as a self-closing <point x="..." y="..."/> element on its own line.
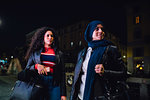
<point x="20" y="18"/>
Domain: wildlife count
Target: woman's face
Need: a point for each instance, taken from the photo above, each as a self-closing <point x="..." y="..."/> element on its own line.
<point x="98" y="33"/>
<point x="48" y="38"/>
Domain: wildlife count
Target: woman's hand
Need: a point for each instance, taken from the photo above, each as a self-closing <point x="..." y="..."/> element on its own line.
<point x="41" y="69"/>
<point x="63" y="98"/>
<point x="99" y="68"/>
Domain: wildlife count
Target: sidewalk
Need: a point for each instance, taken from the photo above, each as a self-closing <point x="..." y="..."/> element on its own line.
<point x="139" y="88"/>
<point x="8" y="81"/>
<point x="6" y="84"/>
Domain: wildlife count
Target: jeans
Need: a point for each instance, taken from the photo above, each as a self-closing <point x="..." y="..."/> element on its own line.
<point x="49" y="91"/>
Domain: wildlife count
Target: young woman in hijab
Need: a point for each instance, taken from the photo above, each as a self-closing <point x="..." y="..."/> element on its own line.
<point x="97" y="65"/>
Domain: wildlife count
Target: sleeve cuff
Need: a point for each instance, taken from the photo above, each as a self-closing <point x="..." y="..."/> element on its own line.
<point x="36" y="65"/>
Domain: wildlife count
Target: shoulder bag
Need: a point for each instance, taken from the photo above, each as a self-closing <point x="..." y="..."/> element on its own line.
<point x="25" y="90"/>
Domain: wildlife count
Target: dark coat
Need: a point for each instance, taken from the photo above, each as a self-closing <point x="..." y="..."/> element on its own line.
<point x="59" y="69"/>
<point x="114" y="70"/>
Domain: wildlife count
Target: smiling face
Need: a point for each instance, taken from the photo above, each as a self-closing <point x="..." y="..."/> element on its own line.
<point x="98" y="33"/>
<point x="48" y="39"/>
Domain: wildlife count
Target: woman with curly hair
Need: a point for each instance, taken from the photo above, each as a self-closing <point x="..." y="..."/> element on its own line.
<point x="44" y="57"/>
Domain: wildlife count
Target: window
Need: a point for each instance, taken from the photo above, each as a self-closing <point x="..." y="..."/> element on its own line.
<point x="138" y="52"/>
<point x="80" y="26"/>
<point x="136" y="9"/>
<point x="137" y="19"/>
<point x="137" y="33"/>
<point x="64" y="46"/>
<point x="139" y="67"/>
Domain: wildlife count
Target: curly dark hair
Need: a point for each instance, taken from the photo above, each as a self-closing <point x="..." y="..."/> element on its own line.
<point x="37" y="41"/>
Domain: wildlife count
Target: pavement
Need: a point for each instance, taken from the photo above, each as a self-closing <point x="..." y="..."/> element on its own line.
<point x="6" y="84"/>
<point x="139" y="88"/>
<point x="142" y="93"/>
<point x="8" y="81"/>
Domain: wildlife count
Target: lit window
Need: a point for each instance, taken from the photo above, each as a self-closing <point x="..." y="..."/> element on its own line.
<point x="137" y="19"/>
<point x="139" y="65"/>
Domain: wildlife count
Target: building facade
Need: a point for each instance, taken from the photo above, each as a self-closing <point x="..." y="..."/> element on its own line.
<point x="138" y="46"/>
<point x="72" y="40"/>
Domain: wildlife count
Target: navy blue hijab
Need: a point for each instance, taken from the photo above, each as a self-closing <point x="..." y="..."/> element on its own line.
<point x="98" y="47"/>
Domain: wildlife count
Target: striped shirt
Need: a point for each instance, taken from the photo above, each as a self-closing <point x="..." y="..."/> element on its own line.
<point x="48" y="59"/>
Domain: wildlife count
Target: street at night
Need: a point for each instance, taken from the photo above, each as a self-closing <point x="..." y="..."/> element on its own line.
<point x="124" y="23"/>
<point x="8" y="81"/>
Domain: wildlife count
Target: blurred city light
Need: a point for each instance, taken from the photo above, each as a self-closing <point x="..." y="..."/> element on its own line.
<point x="124" y="56"/>
<point x="3" y="61"/>
<point x="12" y="57"/>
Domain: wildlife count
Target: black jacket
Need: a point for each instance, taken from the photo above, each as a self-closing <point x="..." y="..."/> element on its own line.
<point x="114" y="70"/>
<point x="59" y="69"/>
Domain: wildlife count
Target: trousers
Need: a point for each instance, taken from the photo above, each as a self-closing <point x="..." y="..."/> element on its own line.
<point x="49" y="91"/>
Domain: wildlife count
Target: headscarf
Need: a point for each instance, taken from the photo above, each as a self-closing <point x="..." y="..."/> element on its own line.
<point x="98" y="47"/>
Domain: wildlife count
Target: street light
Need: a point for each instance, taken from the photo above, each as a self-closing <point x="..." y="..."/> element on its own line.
<point x="12" y="57"/>
<point x="124" y="56"/>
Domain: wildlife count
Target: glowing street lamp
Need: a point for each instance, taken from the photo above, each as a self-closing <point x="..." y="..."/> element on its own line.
<point x="12" y="57"/>
<point x="124" y="56"/>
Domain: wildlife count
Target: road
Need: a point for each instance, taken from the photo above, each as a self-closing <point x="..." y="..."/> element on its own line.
<point x="6" y="84"/>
